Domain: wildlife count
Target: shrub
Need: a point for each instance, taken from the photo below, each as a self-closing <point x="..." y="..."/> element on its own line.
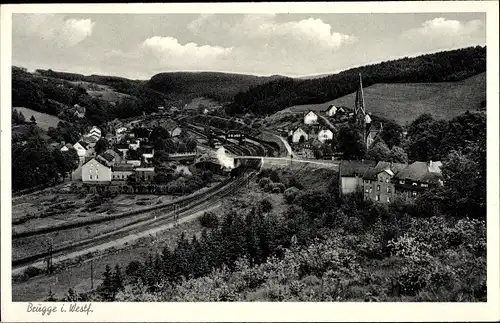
<point x="265" y="206"/>
<point x="275" y="177"/>
<point x="209" y="220"/>
<point x="263" y="182"/>
<point x="290" y="194"/>
<point x="280" y="188"/>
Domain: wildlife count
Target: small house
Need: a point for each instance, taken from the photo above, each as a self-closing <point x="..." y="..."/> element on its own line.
<point x="299" y="135"/>
<point x="418" y="177"/>
<point x="79" y="111"/>
<point x="310" y="118"/>
<point x="66" y="147"/>
<point x="324" y="135"/>
<point x="331" y="110"/>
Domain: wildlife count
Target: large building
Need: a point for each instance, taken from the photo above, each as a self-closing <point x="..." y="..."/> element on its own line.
<point x="95" y="172"/>
<point x="383" y="181"/>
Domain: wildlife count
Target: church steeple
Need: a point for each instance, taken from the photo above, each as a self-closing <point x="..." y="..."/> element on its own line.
<point x="359" y="104"/>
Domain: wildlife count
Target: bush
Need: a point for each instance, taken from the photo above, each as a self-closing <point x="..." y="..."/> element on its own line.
<point x="263" y="182"/>
<point x="290" y="194"/>
<point x="265" y="206"/>
<point x="280" y="188"/>
<point x="275" y="177"/>
<point x="209" y="220"/>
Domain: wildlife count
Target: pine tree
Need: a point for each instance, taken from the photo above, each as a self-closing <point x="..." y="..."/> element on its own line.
<point x="117" y="282"/>
<point x="107" y="284"/>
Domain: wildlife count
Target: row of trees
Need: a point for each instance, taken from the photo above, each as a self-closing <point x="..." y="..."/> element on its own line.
<point x="281" y="93"/>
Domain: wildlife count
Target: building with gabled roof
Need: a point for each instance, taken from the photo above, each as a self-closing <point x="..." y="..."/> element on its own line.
<point x="351" y="174"/>
<point x="378" y="182"/>
<point x="95" y="171"/>
<point x="310" y="117"/>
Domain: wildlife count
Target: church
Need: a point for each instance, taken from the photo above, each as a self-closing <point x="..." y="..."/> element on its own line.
<point x="362" y="118"/>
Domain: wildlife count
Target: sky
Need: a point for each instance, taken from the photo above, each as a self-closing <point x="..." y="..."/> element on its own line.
<point x="139" y="46"/>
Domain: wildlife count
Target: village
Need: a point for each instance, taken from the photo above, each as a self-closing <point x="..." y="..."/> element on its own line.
<point x="129" y="155"/>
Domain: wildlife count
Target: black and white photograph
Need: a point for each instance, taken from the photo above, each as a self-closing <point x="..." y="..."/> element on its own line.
<point x="248" y="157"/>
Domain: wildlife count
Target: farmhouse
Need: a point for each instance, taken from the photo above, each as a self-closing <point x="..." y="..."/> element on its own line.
<point x="95" y="172"/>
<point x="310" y="118"/>
<point x="299" y="135"/>
<point x="324" y="135"/>
<point x="331" y="110"/>
<point x="95" y="133"/>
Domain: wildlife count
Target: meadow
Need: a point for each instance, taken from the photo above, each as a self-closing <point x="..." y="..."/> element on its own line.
<point x="404" y="102"/>
<point x="43" y="120"/>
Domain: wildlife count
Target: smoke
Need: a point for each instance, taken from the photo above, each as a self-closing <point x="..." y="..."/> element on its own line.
<point x="224" y="160"/>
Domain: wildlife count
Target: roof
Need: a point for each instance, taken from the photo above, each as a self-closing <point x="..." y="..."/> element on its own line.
<point x="330" y="107"/>
<point x="83" y="144"/>
<point x="121" y="146"/>
<point x="392" y="168"/>
<point x="420" y="171"/>
<point x="352" y="168"/>
<point x="145" y="169"/>
<point x="310" y="112"/>
<point x="123" y="168"/>
<point x="93" y="159"/>
<point x="109" y="157"/>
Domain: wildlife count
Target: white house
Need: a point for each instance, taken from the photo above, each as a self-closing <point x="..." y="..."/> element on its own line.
<point x="95" y="172"/>
<point x="331" y="110"/>
<point x="82" y="150"/>
<point x="95" y="132"/>
<point x="310" y="118"/>
<point x="66" y="147"/>
<point x="299" y="135"/>
<point x="324" y="135"/>
<point x="148" y="156"/>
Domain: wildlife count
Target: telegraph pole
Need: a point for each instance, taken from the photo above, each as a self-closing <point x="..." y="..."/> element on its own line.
<point x="91" y="274"/>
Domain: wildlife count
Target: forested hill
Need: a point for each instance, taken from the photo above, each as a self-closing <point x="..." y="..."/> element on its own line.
<point x="215" y="85"/>
<point x="454" y="65"/>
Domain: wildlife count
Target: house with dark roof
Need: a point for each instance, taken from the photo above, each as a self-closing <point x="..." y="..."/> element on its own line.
<point x="378" y="182"/>
<point x="122" y="172"/>
<point x="351" y="174"/>
<point x="106" y="159"/>
<point x="418" y="177"/>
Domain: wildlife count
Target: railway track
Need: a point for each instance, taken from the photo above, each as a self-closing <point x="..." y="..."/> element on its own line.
<point x="147" y="221"/>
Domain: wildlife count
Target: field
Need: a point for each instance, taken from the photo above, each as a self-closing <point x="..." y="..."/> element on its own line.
<point x="405" y="102"/>
<point x="43" y="120"/>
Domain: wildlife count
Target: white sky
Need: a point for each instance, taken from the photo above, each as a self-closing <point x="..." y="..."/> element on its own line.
<point x="141" y="45"/>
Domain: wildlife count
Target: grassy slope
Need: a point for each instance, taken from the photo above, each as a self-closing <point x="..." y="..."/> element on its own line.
<point x="405" y="102"/>
<point x="43" y="120"/>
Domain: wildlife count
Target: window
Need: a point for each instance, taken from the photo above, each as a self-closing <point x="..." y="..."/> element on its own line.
<point x="388" y="199"/>
<point x="402" y="181"/>
<point x="388" y="190"/>
<point x="414" y="184"/>
<point x="424" y="185"/>
<point x="366" y="191"/>
<point x="414" y="193"/>
<point x="387" y="180"/>
<point x="378" y="187"/>
<point x="97" y="177"/>
<point x="377" y="197"/>
<point x="90" y="176"/>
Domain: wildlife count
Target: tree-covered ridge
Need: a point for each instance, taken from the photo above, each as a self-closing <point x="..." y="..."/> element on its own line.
<point x="221" y="87"/>
<point x="443" y="66"/>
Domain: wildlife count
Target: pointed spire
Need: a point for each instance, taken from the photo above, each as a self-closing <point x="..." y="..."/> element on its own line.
<point x="359" y="104"/>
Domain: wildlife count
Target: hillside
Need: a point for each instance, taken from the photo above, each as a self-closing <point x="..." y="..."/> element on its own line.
<point x="43" y="120"/>
<point x="218" y="86"/>
<point x="447" y="66"/>
<point x="405" y="102"/>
